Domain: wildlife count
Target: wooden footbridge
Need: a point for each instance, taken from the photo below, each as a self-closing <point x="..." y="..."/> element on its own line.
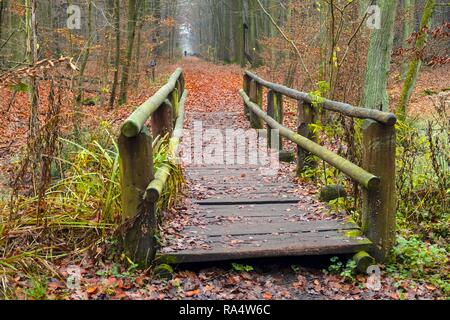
<point x="244" y="217"/>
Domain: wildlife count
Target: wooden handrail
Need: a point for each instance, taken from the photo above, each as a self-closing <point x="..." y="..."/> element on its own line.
<point x="156" y="187"/>
<point x="360" y="175"/>
<point x="377" y="174"/>
<point x="135" y="122"/>
<point x="343" y="108"/>
<point x="166" y="109"/>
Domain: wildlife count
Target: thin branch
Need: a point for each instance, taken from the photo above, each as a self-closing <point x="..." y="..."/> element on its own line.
<point x="291" y="42"/>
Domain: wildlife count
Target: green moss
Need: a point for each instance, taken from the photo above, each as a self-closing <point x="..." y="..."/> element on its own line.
<point x="353" y="233"/>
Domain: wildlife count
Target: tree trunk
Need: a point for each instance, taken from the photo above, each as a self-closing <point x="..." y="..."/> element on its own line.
<point x="31" y="36"/>
<point x="408" y="28"/>
<point x="379" y="59"/>
<point x="117" y="54"/>
<point x="416" y="62"/>
<point x="133" y="7"/>
<point x="84" y="60"/>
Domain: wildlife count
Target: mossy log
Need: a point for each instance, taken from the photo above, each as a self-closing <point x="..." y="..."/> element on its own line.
<point x="246" y="88"/>
<point x="287" y="156"/>
<point x="256" y="97"/>
<point x="332" y="192"/>
<point x="379" y="205"/>
<point x="156" y="186"/>
<point x="274" y="110"/>
<point x="360" y="175"/>
<point x="136" y="161"/>
<point x="343" y="108"/>
<point x="306" y="115"/>
<point x="135" y="122"/>
<point x="363" y="261"/>
<point x="138" y="235"/>
<point x="162" y="120"/>
<point x="138" y="215"/>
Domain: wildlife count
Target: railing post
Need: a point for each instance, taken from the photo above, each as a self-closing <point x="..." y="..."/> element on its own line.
<point x="136" y="160"/>
<point x="306" y="115"/>
<point x="174" y="99"/>
<point x="246" y="87"/>
<point x="256" y="97"/>
<point x="162" y="120"/>
<point x="274" y="110"/>
<point x="379" y="206"/>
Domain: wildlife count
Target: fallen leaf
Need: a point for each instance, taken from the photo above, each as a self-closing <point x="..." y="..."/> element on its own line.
<point x="192" y="293"/>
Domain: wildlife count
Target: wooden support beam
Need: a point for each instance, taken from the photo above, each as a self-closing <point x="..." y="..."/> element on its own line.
<point x="174" y="99"/>
<point x="272" y="111"/>
<point x="255" y="97"/>
<point x="162" y="120"/>
<point x="139" y="221"/>
<point x="343" y="108"/>
<point x="246" y="88"/>
<point x="360" y="175"/>
<point x="306" y="115"/>
<point x="363" y="261"/>
<point x="156" y="186"/>
<point x="136" y="121"/>
<point x="379" y="205"/>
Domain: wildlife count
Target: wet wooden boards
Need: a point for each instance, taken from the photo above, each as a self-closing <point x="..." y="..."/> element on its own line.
<point x="262" y="221"/>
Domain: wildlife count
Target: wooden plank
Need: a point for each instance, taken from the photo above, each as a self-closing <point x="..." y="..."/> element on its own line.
<point x="264" y="227"/>
<point x="257" y="240"/>
<point x="257" y="210"/>
<point x="308" y="245"/>
<point x="250" y="184"/>
<point x="248" y="201"/>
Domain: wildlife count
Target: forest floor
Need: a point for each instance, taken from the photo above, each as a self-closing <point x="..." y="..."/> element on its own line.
<point x="211" y="88"/>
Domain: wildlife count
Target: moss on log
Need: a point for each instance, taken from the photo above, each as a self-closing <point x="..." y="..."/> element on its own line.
<point x="379" y="206"/>
<point x="156" y="187"/>
<point x="135" y="122"/>
<point x="363" y="261"/>
<point x="332" y="192"/>
<point x="287" y="156"/>
<point x="360" y="175"/>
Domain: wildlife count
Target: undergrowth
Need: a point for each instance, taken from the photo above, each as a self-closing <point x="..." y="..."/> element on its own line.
<point x="423" y="188"/>
<point x="81" y="209"/>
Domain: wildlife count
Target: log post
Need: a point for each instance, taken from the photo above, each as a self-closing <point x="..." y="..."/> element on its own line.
<point x="162" y="120"/>
<point x="246" y="87"/>
<point x="306" y="115"/>
<point x="139" y="220"/>
<point x="256" y="97"/>
<point x="379" y="205"/>
<point x="183" y="83"/>
<point x="174" y="99"/>
<point x="274" y="111"/>
<point x="179" y="86"/>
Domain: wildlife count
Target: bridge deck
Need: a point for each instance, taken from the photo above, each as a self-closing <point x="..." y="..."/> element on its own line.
<point x="241" y="213"/>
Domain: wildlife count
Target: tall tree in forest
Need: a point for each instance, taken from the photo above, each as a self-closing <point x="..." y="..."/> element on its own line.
<point x="133" y="9"/>
<point x="117" y="53"/>
<point x="2" y="7"/>
<point x="84" y="61"/>
<point x="408" y="28"/>
<point x="416" y="62"/>
<point x="238" y="32"/>
<point x="379" y="59"/>
<point x="31" y="56"/>
<point x="33" y="87"/>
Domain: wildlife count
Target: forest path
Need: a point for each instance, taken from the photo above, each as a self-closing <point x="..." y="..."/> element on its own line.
<point x="240" y="208"/>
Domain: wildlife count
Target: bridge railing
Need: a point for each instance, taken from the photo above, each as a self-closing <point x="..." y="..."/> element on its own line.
<point x="141" y="187"/>
<point x="377" y="174"/>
